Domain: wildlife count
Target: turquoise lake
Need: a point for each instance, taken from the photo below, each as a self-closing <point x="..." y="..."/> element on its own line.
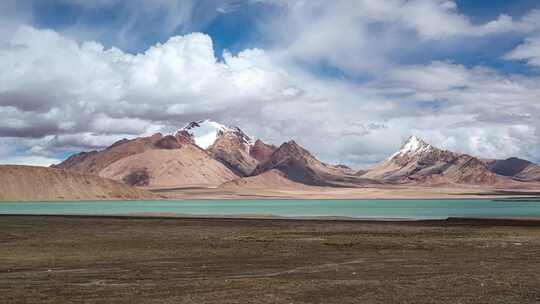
<point x="406" y="209"/>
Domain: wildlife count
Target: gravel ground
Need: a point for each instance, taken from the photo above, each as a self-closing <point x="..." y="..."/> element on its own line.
<point x="137" y="260"/>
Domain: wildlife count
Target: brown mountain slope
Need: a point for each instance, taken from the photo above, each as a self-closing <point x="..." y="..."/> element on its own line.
<point x="516" y="168"/>
<point x="261" y="151"/>
<point x="298" y="165"/>
<point x="508" y="167"/>
<point x="232" y="149"/>
<point x="419" y="162"/>
<point x="187" y="166"/>
<point x="345" y="169"/>
<point x="95" y="161"/>
<point x="272" y="179"/>
<point x="531" y="173"/>
<point x="39" y="183"/>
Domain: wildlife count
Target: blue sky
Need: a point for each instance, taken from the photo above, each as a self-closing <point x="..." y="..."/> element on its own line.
<point x="461" y="74"/>
<point x="236" y="30"/>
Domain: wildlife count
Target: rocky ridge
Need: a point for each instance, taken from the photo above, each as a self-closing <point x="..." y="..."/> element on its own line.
<point x="420" y="162"/>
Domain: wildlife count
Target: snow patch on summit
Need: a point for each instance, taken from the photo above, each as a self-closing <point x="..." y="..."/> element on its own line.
<point x="206" y="132"/>
<point x="414" y="145"/>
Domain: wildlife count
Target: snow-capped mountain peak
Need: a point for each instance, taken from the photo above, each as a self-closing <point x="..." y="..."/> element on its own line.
<point x="205" y="132"/>
<point x="413" y="145"/>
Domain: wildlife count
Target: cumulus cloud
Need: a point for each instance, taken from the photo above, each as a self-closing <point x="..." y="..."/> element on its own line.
<point x="56" y="86"/>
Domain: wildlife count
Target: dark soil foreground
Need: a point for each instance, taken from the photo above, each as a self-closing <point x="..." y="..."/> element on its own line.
<point x="130" y="260"/>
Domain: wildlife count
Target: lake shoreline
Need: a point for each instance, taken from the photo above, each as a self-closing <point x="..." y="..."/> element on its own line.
<point x="321" y="193"/>
<point x="506" y="221"/>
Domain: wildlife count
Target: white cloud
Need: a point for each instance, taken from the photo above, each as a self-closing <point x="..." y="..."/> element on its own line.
<point x="528" y="51"/>
<point x="8" y="155"/>
<point x="125" y="24"/>
<point x="29" y="161"/>
<point x="12" y="15"/>
<point x="435" y="76"/>
<point x="56" y="86"/>
<point x="368" y="35"/>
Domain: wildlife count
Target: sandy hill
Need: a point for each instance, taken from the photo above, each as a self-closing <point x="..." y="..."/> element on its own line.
<point x="419" y="162"/>
<point x="95" y="161"/>
<point x="188" y="165"/>
<point x="39" y="183"/>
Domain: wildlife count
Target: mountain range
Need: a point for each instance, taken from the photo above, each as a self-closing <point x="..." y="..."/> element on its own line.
<point x="419" y="162"/>
<point x="206" y="153"/>
<point x="209" y="155"/>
